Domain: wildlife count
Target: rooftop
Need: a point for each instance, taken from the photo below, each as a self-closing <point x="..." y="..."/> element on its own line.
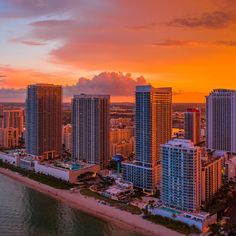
<point x="182" y="143"/>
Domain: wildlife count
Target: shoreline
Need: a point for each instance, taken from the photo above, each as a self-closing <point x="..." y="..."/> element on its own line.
<point x="121" y="219"/>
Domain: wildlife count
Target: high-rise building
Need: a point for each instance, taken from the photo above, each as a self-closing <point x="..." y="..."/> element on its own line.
<point x="153" y="128"/>
<point x="9" y="137"/>
<point x="14" y="118"/>
<point x="211" y="175"/>
<point x="44" y="120"/>
<point x="221" y="120"/>
<point x="91" y="129"/>
<point x="67" y="136"/>
<point x="192" y="125"/>
<point x="1" y="115"/>
<point x="181" y="175"/>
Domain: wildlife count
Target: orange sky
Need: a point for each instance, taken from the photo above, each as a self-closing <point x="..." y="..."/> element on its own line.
<point x="188" y="45"/>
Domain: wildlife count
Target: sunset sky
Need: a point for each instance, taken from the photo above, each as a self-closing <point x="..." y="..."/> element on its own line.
<point x="110" y="46"/>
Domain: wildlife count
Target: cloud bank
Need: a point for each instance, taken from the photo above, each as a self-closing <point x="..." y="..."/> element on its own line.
<point x="213" y="20"/>
<point x="112" y="83"/>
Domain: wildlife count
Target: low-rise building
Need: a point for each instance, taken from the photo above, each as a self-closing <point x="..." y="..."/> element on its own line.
<point x="65" y="171"/>
<point x="10" y="158"/>
<point x="119" y="191"/>
<point x="28" y="162"/>
<point x="201" y="220"/>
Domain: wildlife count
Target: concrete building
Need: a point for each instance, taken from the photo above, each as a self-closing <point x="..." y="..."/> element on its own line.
<point x="181" y="175"/>
<point x="91" y="129"/>
<point x="125" y="148"/>
<point x="211" y="175"/>
<point x="9" y="137"/>
<point x="230" y="168"/>
<point x="192" y="125"/>
<point x="67" y="137"/>
<point x="121" y="141"/>
<point x="118" y="135"/>
<point x="14" y="118"/>
<point x="153" y="128"/>
<point x="44" y="120"/>
<point x="1" y="115"/>
<point x="201" y="220"/>
<point x="65" y="171"/>
<point x="221" y="120"/>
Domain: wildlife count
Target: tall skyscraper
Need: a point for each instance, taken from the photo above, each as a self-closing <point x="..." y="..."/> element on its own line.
<point x="1" y="115"/>
<point x="192" y="125"/>
<point x="91" y="129"/>
<point x="221" y="120"/>
<point x="153" y="128"/>
<point x="44" y="120"/>
<point x="181" y="175"/>
<point x="14" y="119"/>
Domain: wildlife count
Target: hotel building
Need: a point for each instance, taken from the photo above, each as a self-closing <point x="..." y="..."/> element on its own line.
<point x="91" y="129"/>
<point x="221" y="120"/>
<point x="44" y="120"/>
<point x="153" y="128"/>
<point x="181" y="175"/>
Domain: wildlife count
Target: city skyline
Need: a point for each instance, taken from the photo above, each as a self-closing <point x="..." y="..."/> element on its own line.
<point x="183" y="46"/>
<point x="122" y="110"/>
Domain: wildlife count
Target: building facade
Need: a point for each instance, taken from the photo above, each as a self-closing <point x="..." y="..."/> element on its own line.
<point x="221" y="120"/>
<point x="91" y="129"/>
<point x="181" y="175"/>
<point x="14" y="118"/>
<point x="44" y="120"/>
<point x="9" y="137"/>
<point x="153" y="128"/>
<point x="192" y="125"/>
<point x="211" y="176"/>
<point x="67" y="137"/>
<point x="1" y="115"/>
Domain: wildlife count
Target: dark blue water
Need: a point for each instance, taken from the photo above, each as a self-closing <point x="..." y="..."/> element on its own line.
<point x="24" y="211"/>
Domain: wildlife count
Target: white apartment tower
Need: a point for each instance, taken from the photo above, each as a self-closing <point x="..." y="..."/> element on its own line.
<point x="181" y="175"/>
<point x="221" y="120"/>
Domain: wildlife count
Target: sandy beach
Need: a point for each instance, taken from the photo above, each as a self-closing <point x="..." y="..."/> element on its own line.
<point x="122" y="219"/>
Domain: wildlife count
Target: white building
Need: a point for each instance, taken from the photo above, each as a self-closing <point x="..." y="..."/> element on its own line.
<point x="181" y="175"/>
<point x="65" y="171"/>
<point x="201" y="220"/>
<point x="221" y="120"/>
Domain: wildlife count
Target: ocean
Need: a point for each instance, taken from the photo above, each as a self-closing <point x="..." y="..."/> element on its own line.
<point x="26" y="212"/>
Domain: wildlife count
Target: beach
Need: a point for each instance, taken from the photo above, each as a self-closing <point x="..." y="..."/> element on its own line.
<point x="122" y="219"/>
